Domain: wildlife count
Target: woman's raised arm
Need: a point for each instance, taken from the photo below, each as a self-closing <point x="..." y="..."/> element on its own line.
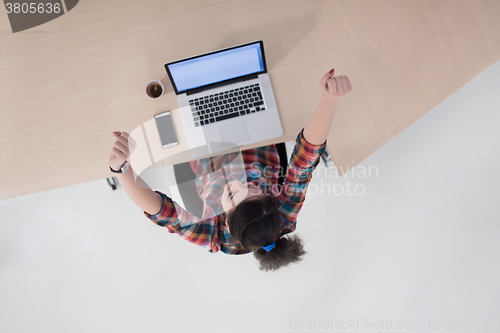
<point x="147" y="200"/>
<point x="332" y="89"/>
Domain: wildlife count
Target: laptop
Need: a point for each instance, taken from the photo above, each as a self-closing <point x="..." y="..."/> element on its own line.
<point x="225" y="98"/>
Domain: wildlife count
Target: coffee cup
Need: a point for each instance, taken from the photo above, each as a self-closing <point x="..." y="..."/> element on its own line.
<point x="154" y="89"/>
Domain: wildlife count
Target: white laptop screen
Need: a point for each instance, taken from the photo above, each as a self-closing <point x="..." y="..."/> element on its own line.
<point x="216" y="67"/>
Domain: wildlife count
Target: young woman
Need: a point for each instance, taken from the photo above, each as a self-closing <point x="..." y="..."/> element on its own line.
<point x="250" y="213"/>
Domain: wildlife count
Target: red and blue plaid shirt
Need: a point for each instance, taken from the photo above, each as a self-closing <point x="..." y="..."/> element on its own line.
<point x="259" y="166"/>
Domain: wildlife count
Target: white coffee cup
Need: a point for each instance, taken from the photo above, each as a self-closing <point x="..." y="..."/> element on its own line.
<point x="154" y="89"/>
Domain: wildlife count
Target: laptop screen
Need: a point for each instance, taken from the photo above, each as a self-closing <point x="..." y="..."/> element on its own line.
<point x="216" y="67"/>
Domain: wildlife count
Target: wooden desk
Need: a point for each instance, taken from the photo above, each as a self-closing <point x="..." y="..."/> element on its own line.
<point x="67" y="84"/>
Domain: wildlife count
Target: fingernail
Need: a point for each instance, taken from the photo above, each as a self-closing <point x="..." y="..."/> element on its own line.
<point x="117" y="133"/>
<point x="332" y="71"/>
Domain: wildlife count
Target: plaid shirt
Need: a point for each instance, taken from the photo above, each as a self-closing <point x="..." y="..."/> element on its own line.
<point x="259" y="166"/>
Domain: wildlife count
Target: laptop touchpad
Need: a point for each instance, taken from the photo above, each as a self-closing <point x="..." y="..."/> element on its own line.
<point x="234" y="133"/>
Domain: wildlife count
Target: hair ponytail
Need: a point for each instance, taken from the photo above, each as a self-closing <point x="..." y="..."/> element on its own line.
<point x="288" y="249"/>
<point x="256" y="223"/>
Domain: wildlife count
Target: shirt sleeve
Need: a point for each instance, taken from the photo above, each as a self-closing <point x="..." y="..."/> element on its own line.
<point x="191" y="228"/>
<point x="305" y="157"/>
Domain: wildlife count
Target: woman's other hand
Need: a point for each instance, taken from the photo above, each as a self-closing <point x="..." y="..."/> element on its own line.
<point x="122" y="148"/>
<point x="333" y="88"/>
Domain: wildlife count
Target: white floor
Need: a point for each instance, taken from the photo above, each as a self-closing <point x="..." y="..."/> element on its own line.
<point x="416" y="249"/>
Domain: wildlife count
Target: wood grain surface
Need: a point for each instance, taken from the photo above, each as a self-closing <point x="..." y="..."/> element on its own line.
<point x="67" y="84"/>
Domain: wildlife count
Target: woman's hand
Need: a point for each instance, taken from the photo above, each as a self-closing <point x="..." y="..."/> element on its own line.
<point x="333" y="88"/>
<point x="121" y="150"/>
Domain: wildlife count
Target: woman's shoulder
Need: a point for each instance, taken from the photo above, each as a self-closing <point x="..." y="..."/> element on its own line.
<point x="287" y="225"/>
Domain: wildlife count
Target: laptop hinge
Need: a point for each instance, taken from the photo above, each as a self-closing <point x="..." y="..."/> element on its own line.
<point x="223" y="83"/>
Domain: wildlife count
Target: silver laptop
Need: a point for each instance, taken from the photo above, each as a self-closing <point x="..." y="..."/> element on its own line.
<point x="225" y="98"/>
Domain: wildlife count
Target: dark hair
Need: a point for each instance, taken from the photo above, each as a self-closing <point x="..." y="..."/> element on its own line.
<point x="256" y="223"/>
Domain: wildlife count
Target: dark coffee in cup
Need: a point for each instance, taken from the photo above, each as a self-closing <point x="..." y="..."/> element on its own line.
<point x="154" y="89"/>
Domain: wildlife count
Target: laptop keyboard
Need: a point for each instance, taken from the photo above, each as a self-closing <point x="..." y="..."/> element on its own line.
<point x="225" y="105"/>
